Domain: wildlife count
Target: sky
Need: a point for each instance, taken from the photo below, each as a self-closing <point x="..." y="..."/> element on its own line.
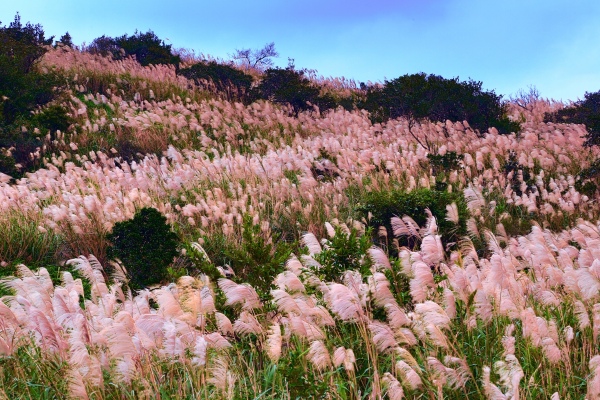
<point x="508" y="45"/>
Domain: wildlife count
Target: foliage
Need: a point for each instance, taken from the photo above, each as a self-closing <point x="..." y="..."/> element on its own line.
<point x="255" y="259"/>
<point x="343" y="252"/>
<point x="234" y="83"/>
<point x="66" y="40"/>
<point x="106" y="46"/>
<point x="419" y="97"/>
<point x="289" y="86"/>
<point x="22" y="88"/>
<point x="444" y="163"/>
<point x="383" y="205"/>
<point x="146" y="47"/>
<point x="585" y="112"/>
<point x="53" y="118"/>
<point x="45" y="376"/>
<point x="146" y="246"/>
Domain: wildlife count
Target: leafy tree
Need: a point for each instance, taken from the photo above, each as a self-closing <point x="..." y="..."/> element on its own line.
<point x="585" y="112"/>
<point x="420" y="97"/>
<point x="259" y="59"/>
<point x="106" y="46"/>
<point x="22" y="88"/>
<point x="234" y="83"/>
<point x="66" y="40"/>
<point x="146" y="245"/>
<point x="146" y="47"/>
<point x="289" y="86"/>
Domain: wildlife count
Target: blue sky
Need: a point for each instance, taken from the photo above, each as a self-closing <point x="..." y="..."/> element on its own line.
<point x="507" y="44"/>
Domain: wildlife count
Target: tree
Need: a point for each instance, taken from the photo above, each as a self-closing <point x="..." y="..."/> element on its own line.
<point x="289" y="86"/>
<point x="23" y="89"/>
<point x="234" y="83"/>
<point x="65" y="40"/>
<point x="420" y="97"/>
<point x="106" y="46"/>
<point x="259" y="59"/>
<point x="585" y="112"/>
<point x="146" y="47"/>
<point x="526" y="99"/>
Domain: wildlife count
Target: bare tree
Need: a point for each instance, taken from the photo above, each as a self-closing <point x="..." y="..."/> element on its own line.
<point x="260" y="59"/>
<point x="526" y="98"/>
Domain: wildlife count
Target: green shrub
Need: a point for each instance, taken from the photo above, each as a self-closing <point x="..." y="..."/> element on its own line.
<point x="512" y="165"/>
<point x="146" y="245"/>
<point x="419" y="97"/>
<point x="22" y="87"/>
<point x="344" y="252"/>
<point x="289" y="86"/>
<point x="581" y="112"/>
<point x="230" y="81"/>
<point x="445" y="163"/>
<point x="52" y="118"/>
<point x="146" y="47"/>
<point x="383" y="205"/>
<point x="254" y="259"/>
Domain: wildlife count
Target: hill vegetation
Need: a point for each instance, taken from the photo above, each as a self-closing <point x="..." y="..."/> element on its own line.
<point x="179" y="227"/>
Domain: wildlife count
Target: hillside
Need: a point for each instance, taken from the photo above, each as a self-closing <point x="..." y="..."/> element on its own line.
<point x="320" y="254"/>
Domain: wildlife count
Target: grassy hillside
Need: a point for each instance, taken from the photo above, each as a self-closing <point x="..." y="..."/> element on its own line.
<point x="320" y="253"/>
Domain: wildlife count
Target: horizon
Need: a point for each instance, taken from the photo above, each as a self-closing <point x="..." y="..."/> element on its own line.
<point x="545" y="45"/>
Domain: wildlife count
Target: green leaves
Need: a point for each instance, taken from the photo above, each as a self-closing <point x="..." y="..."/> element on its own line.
<point x="431" y="97"/>
<point x="146" y="47"/>
<point x="146" y="245"/>
<point x="234" y="83"/>
<point x="582" y="112"/>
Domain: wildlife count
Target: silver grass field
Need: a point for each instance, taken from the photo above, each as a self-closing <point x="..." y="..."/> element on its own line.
<point x="503" y="312"/>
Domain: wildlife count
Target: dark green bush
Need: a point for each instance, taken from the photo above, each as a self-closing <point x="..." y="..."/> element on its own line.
<point x="52" y="118"/>
<point x="146" y="47"/>
<point x="344" y="252"/>
<point x="383" y="205"/>
<point x="585" y="112"/>
<point x="289" y="86"/>
<point x="146" y="245"/>
<point x="512" y="165"/>
<point x="106" y="46"/>
<point x="22" y="87"/>
<point x="445" y="163"/>
<point x="419" y="97"/>
<point x="65" y="40"/>
<point x="230" y="81"/>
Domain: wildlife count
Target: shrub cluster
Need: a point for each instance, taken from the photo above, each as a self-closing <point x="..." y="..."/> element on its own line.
<point x="290" y="86"/>
<point x="146" y="47"/>
<point x="420" y="97"/>
<point x="585" y="112"/>
<point x="146" y="245"/>
<point x="381" y="206"/>
<point x="234" y="83"/>
<point x="24" y="89"/>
